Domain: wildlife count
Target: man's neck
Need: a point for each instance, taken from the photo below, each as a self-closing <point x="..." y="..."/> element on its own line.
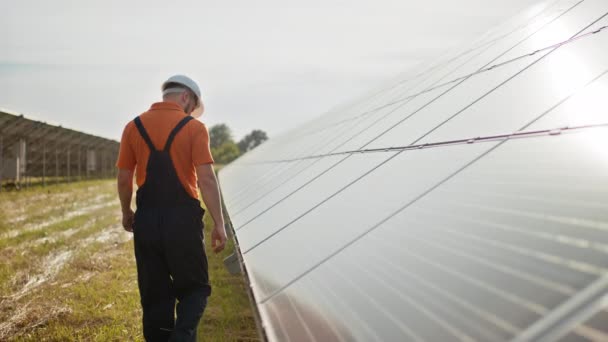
<point x="173" y="102"/>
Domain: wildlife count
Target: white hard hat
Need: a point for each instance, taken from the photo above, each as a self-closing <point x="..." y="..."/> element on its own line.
<point x="186" y="82"/>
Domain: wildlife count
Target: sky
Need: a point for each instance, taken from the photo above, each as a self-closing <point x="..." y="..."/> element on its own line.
<point x="264" y="64"/>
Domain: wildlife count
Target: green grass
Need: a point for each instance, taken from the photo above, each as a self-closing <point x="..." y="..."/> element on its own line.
<point x="60" y="283"/>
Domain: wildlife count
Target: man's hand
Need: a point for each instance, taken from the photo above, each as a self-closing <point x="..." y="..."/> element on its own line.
<point x="128" y="218"/>
<point x="218" y="238"/>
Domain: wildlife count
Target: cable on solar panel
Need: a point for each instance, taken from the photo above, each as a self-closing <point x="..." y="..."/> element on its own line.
<point x="396" y="212"/>
<point x="484" y="69"/>
<point x="460" y="78"/>
<point x="391" y="157"/>
<point x="401" y="121"/>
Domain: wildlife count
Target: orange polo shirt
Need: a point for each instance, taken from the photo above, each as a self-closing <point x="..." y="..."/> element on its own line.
<point x="190" y="147"/>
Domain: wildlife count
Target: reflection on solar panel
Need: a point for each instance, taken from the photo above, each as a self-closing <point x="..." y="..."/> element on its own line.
<point x="465" y="201"/>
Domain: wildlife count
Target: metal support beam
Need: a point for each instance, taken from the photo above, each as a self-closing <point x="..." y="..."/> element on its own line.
<point x="103" y="164"/>
<point x="1" y="160"/>
<point x="68" y="163"/>
<point x="56" y="165"/>
<point x="44" y="164"/>
<point x="79" y="162"/>
<point x="26" y="174"/>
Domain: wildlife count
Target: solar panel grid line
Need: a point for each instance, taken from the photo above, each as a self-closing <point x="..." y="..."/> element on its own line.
<point x="337" y="135"/>
<point x="565" y="239"/>
<point x="238" y="210"/>
<point x="437" y="289"/>
<point x="599" y="319"/>
<point x="353" y="135"/>
<point x="302" y="170"/>
<point x="384" y="106"/>
<point x="307" y="329"/>
<point x="514" y="135"/>
<point x="420" y="138"/>
<point x="540" y="249"/>
<point x="277" y="330"/>
<point x="590" y="333"/>
<point x="496" y="58"/>
<point x="554" y="48"/>
<point x="411" y="301"/>
<point x="553" y="259"/>
<point x="563" y="290"/>
<point x="326" y="317"/>
<point x="555" y="201"/>
<point x="335" y="118"/>
<point x="301" y="321"/>
<point x="347" y="309"/>
<point x="316" y="144"/>
<point x="532" y="21"/>
<point x="477" y="253"/>
<point x="580" y="223"/>
<point x="438" y="308"/>
<point x="592" y="246"/>
<point x="479" y="71"/>
<point x="473" y="281"/>
<point x="379" y="268"/>
<point x="321" y="142"/>
<point x="428" y="103"/>
<point x="375" y="226"/>
<point x="383" y="285"/>
<point x="480" y="285"/>
<point x="366" y="232"/>
<point x="476" y="259"/>
<point x="264" y="180"/>
<point x="274" y="173"/>
<point x="568" y="315"/>
<point x="481" y="44"/>
<point x="298" y="189"/>
<point x="380" y="308"/>
<point x="552" y="32"/>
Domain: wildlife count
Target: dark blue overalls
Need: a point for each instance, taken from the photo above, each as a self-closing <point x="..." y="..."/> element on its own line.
<point x="169" y="249"/>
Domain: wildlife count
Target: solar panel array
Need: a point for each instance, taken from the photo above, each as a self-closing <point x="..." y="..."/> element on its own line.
<point x="50" y="154"/>
<point x="464" y="201"/>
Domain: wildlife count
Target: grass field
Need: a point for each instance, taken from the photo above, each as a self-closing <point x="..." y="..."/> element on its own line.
<point x="68" y="271"/>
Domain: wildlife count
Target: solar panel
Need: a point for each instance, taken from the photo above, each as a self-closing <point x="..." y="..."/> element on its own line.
<point x="463" y="201"/>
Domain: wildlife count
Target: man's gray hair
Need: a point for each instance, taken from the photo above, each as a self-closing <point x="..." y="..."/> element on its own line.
<point x="177" y="88"/>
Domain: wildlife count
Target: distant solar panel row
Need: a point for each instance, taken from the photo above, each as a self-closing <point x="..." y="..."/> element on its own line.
<point x="465" y="202"/>
<point x="36" y="152"/>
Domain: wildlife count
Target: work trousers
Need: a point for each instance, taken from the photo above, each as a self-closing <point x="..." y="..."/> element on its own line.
<point x="171" y="265"/>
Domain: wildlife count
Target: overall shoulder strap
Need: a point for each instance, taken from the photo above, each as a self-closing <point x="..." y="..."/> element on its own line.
<point x="144" y="134"/>
<point x="176" y="130"/>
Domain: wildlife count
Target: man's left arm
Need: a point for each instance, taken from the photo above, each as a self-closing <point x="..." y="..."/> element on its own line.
<point x="126" y="166"/>
<point x="210" y="192"/>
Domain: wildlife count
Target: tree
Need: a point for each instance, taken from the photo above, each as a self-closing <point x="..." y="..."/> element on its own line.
<point x="225" y="153"/>
<point x="219" y="135"/>
<point x="252" y="140"/>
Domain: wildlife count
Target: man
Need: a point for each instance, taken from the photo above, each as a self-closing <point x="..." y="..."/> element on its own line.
<point x="169" y="151"/>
